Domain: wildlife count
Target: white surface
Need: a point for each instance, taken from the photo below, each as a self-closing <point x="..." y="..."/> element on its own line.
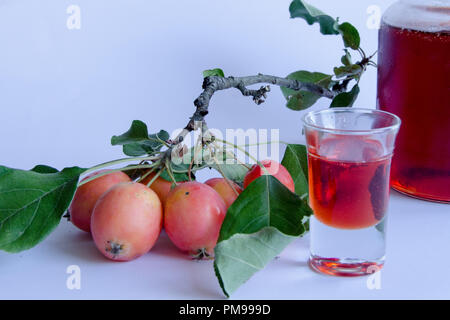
<point x="63" y="93"/>
<point x="417" y="267"/>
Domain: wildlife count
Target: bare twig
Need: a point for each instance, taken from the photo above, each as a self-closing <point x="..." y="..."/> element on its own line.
<point x="215" y="83"/>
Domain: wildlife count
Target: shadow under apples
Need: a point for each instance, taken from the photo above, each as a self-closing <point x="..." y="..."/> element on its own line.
<point x="78" y="244"/>
<point x="198" y="276"/>
<point x="164" y="247"/>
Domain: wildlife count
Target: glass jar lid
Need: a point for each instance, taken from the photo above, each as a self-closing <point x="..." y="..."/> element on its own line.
<point x="421" y="15"/>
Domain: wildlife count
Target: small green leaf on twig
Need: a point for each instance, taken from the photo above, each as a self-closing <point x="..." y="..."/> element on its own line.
<point x="347" y="71"/>
<point x="346" y="58"/>
<point x="213" y="72"/>
<point x="350" y="35"/>
<point x="179" y="177"/>
<point x="230" y="167"/>
<point x="137" y="142"/>
<point x="301" y="9"/>
<point x="346" y="99"/>
<point x="137" y="132"/>
<point x="328" y="25"/>
<point x="300" y="100"/>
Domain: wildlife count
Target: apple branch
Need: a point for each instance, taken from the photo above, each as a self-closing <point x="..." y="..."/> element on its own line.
<point x="212" y="84"/>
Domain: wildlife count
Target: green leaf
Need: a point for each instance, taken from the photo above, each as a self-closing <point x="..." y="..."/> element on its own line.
<point x="296" y="162"/>
<point x="264" y="203"/>
<point x="213" y="72"/>
<point x="145" y="147"/>
<point x="235" y="172"/>
<point x="350" y="35"/>
<point x="41" y="168"/>
<point x="347" y="71"/>
<point x="137" y="142"/>
<point x="300" y="9"/>
<point x="345" y="99"/>
<point x="300" y="100"/>
<point x="328" y="25"/>
<point x="231" y="169"/>
<point x="179" y="177"/>
<point x="240" y="257"/>
<point x="137" y="132"/>
<point x="136" y="149"/>
<point x="161" y="135"/>
<point x="32" y="203"/>
<point x="346" y="58"/>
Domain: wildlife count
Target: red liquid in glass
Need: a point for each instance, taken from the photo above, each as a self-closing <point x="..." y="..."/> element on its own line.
<point x="414" y="83"/>
<point x="349" y="194"/>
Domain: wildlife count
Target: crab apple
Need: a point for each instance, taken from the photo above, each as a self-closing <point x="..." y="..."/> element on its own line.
<point x="193" y="215"/>
<point x="273" y="168"/>
<point x="224" y="189"/>
<point x="126" y="221"/>
<point x="87" y="195"/>
<point x="160" y="186"/>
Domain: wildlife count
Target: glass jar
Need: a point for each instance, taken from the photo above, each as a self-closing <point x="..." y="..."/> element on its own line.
<point x="414" y="84"/>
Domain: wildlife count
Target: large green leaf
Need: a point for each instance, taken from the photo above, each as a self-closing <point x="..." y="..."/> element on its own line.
<point x="241" y="256"/>
<point x="301" y="9"/>
<point x="32" y="203"/>
<point x="264" y="203"/>
<point x="299" y="100"/>
<point x="296" y="162"/>
<point x="137" y="142"/>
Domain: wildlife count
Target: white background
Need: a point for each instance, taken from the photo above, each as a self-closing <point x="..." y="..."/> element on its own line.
<point x="63" y="93"/>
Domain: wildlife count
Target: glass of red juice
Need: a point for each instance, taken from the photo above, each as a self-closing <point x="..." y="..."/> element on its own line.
<point x="349" y="159"/>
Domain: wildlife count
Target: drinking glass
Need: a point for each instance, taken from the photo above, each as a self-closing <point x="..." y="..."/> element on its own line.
<point x="349" y="158"/>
